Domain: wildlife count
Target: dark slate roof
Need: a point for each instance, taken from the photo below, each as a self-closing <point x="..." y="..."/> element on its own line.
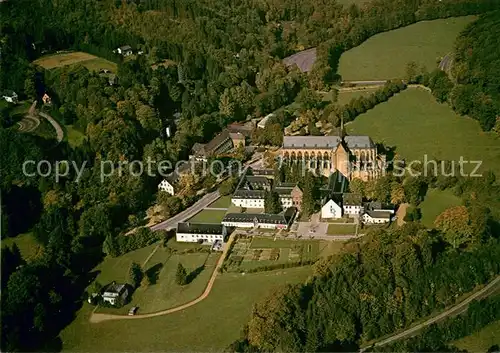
<point x="245" y="129"/>
<point x="352" y="199"/>
<point x="352" y="142"/>
<point x="281" y="218"/>
<point x="218" y="140"/>
<point x="115" y="288"/>
<point x="258" y="180"/>
<point x="199" y="228"/>
<point x="249" y="194"/>
<point x="379" y="214"/>
<point x="126" y="47"/>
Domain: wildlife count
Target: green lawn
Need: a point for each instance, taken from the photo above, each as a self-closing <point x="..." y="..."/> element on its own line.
<point x="481" y="341"/>
<point x="164" y="293"/>
<point x="346" y="96"/>
<point x="385" y="55"/>
<point x="208" y="216"/>
<point x="435" y="202"/>
<point x="20" y="108"/>
<point x="27" y="244"/>
<point x="222" y="202"/>
<point x="416" y="125"/>
<point x="341" y="229"/>
<point x="210" y="325"/>
<point x="75" y="137"/>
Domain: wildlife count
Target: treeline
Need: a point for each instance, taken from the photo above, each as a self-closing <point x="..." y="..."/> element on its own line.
<point x="391" y="279"/>
<point x="334" y="113"/>
<point x="119" y="245"/>
<point x="384" y="15"/>
<point x="437" y="338"/>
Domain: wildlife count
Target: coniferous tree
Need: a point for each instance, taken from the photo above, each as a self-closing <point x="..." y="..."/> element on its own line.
<point x="181" y="275"/>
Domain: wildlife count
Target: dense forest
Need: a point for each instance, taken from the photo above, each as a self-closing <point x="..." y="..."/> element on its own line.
<point x="226" y="65"/>
<point x="477" y="71"/>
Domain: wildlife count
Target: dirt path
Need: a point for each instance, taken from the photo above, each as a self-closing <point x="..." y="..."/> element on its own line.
<point x="459" y="308"/>
<point x="401" y="213"/>
<point x="99" y="317"/>
<point x="55" y="124"/>
<point x="30" y="121"/>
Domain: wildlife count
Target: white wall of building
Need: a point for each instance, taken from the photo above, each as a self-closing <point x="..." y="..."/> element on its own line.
<point x="331" y="210"/>
<point x="166" y="186"/>
<point x="193" y="238"/>
<point x="239" y="224"/>
<point x="370" y="220"/>
<point x="248" y="203"/>
<point x="352" y="210"/>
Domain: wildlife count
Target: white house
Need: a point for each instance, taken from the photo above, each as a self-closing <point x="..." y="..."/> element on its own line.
<point x="376" y="217"/>
<point x="260" y="220"/>
<point x="352" y="205"/>
<point x="125" y="50"/>
<point x="331" y="210"/>
<point x="10" y="96"/>
<point x="115" y="291"/>
<point x="262" y="124"/>
<point x="200" y="232"/>
<point x="166" y="186"/>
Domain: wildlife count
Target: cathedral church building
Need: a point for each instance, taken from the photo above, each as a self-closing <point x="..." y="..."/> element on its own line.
<point x="353" y="156"/>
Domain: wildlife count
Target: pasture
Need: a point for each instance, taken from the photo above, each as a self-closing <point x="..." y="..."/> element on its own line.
<point x="435" y="202"/>
<point x="162" y="292"/>
<point x="91" y="62"/>
<point x="385" y="55"/>
<point x="210" y="325"/>
<point x="482" y="340"/>
<point x="416" y="125"/>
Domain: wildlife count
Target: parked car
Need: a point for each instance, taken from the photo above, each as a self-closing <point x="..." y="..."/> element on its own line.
<point x="133" y="310"/>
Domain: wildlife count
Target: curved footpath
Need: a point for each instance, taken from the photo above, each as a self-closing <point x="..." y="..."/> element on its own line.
<point x="99" y="317"/>
<point x="459" y="308"/>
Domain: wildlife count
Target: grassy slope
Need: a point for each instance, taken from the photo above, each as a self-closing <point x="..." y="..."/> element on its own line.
<point x="90" y="61"/>
<point x="27" y="244"/>
<point x="416" y="124"/>
<point x="223" y="202"/>
<point x="210" y="325"/>
<point x="385" y="55"/>
<point x="436" y="201"/>
<point x="481" y="341"/>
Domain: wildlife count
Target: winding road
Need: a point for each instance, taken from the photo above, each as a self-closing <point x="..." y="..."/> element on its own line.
<point x="187" y="213"/>
<point x="31" y="121"/>
<point x="100" y="317"/>
<point x="457" y="309"/>
<point x="55" y="125"/>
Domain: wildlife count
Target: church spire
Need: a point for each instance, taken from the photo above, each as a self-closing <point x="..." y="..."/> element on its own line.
<point x="342" y="131"/>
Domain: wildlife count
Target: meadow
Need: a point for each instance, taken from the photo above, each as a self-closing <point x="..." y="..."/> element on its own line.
<point x="416" y="125"/>
<point x="27" y="244"/>
<point x="385" y="55"/>
<point x="482" y="340"/>
<point x="91" y="62"/>
<point x="210" y="325"/>
<point x="435" y="202"/>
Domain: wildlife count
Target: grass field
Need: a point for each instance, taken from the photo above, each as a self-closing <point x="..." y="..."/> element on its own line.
<point x="481" y="341"/>
<point x="341" y="229"/>
<point x="385" y="55"/>
<point x="435" y="202"/>
<point x="345" y="97"/>
<point x="91" y="62"/>
<point x="210" y="325"/>
<point x="208" y="216"/>
<point x="164" y="293"/>
<point x="28" y="246"/>
<point x="222" y="202"/>
<point x="416" y="125"/>
<point x="75" y="137"/>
